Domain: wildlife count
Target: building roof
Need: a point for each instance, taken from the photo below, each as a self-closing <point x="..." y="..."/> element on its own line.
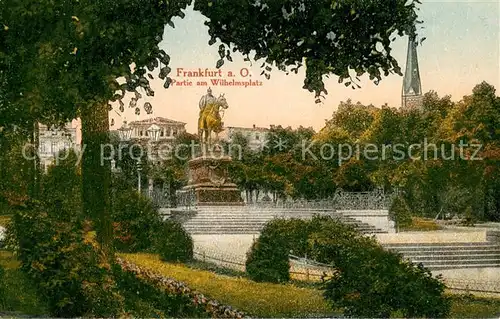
<point x="411" y="80"/>
<point x="254" y="128"/>
<point x="157" y="120"/>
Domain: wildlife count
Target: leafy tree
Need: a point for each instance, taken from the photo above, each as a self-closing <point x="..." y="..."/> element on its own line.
<point x="354" y="119"/>
<point x="323" y="35"/>
<point x="353" y="176"/>
<point x="72" y="68"/>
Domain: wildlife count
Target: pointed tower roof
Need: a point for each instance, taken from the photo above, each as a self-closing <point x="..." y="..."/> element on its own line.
<point x="412" y="87"/>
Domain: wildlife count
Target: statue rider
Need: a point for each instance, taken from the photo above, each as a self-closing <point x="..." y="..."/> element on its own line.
<point x="206" y="100"/>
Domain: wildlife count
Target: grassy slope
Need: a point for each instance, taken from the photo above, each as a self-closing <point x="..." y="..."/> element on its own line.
<point x="259" y="299"/>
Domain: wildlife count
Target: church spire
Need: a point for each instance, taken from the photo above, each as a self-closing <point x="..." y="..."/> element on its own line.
<point x="412" y="88"/>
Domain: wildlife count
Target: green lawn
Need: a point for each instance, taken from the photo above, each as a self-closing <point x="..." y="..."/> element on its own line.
<point x="421" y="224"/>
<point x="20" y="295"/>
<point x="259" y="299"/>
<point x="471" y="307"/>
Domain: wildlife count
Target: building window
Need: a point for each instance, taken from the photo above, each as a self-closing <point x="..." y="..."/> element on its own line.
<point x="175" y="132"/>
<point x="54" y="147"/>
<point x="169" y="132"/>
<point x="140" y="133"/>
<point x="43" y="148"/>
<point x="162" y="132"/>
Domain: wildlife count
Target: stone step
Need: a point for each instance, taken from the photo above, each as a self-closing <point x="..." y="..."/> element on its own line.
<point x="445" y="253"/>
<point x="450" y="255"/>
<point x="239" y="211"/>
<point x="466" y="261"/>
<point x="443" y="248"/>
<point x="260" y="217"/>
<point x="453" y="257"/>
<point x="263" y="220"/>
<point x="237" y="219"/>
<point x="271" y="214"/>
<point x="460" y="266"/>
<point x="442" y="244"/>
<point x="246" y="229"/>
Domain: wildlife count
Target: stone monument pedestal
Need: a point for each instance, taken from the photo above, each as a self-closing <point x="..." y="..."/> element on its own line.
<point x="208" y="179"/>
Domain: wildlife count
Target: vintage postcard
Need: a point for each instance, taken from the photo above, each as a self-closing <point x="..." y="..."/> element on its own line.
<point x="250" y="158"/>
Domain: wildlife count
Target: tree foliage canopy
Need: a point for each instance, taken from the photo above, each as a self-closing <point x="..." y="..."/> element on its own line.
<point x="329" y="37"/>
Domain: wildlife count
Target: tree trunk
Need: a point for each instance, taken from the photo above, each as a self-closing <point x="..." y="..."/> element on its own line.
<point x="96" y="176"/>
<point x="36" y="164"/>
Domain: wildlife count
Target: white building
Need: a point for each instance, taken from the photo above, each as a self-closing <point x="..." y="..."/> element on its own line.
<point x="255" y="135"/>
<point x="167" y="129"/>
<point x="52" y="141"/>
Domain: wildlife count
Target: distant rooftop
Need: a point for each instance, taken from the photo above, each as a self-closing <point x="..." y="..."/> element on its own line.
<point x="158" y="120"/>
<point x="254" y="128"/>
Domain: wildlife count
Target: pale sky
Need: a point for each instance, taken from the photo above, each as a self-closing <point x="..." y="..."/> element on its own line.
<point x="461" y="50"/>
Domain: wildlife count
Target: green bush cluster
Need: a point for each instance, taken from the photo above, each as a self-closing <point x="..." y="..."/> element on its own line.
<point x="66" y="265"/>
<point x="400" y="212"/>
<point x="368" y="282"/>
<point x="267" y="259"/>
<point x="136" y="222"/>
<point x="373" y="282"/>
<point x="174" y="243"/>
<point x="58" y="252"/>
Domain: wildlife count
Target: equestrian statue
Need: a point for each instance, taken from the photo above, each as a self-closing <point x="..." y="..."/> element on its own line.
<point x="210" y="119"/>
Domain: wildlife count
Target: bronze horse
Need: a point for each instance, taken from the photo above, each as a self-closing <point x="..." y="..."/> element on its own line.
<point x="211" y="121"/>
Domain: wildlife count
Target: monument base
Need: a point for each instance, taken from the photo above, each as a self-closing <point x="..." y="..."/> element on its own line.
<point x="216" y="196"/>
<point x="209" y="182"/>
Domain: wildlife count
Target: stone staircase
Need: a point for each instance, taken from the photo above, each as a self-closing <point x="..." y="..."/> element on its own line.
<point x="251" y="220"/>
<point x="439" y="256"/>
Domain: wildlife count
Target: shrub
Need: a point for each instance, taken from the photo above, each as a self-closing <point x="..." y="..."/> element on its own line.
<point x="65" y="264"/>
<point x="469" y="219"/>
<point x="373" y="282"/>
<point x="2" y="288"/>
<point x="400" y="212"/>
<point x="368" y="281"/>
<point x="174" y="243"/>
<point x="136" y="221"/>
<point x="267" y="259"/>
<point x="62" y="183"/>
